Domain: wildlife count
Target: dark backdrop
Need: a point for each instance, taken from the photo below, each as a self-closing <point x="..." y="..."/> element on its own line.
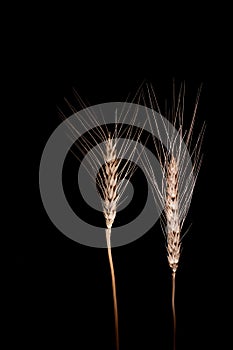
<point x="61" y="294"/>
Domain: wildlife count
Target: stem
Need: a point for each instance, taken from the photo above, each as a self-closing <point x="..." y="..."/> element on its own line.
<point x="108" y="238"/>
<point x="173" y="308"/>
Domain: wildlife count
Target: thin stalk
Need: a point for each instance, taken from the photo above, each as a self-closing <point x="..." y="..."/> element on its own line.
<point x="108" y="238"/>
<point x="173" y="308"/>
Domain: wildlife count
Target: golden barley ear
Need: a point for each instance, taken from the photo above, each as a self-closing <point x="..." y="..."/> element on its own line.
<point x="172" y="214"/>
<point x="111" y="191"/>
<point x="110" y="183"/>
<point x="109" y="155"/>
<point x="174" y="195"/>
<point x="109" y="179"/>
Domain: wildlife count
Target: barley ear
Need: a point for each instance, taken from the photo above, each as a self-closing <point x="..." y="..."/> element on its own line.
<point x="109" y="188"/>
<point x="172" y="214"/>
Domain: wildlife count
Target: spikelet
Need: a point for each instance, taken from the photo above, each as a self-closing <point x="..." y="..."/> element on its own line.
<point x="110" y="182"/>
<point x="172" y="214"/>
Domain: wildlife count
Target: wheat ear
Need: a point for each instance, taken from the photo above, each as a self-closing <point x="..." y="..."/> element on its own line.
<point x="172" y="214"/>
<point x="173" y="227"/>
<point x="179" y="176"/>
<point x="104" y="152"/>
<point x="110" y="186"/>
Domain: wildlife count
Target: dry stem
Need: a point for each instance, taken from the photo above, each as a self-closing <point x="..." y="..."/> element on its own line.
<point x="108" y="237"/>
<point x="173" y="309"/>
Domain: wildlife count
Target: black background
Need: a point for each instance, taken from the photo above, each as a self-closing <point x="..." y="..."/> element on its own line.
<point x="61" y="294"/>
